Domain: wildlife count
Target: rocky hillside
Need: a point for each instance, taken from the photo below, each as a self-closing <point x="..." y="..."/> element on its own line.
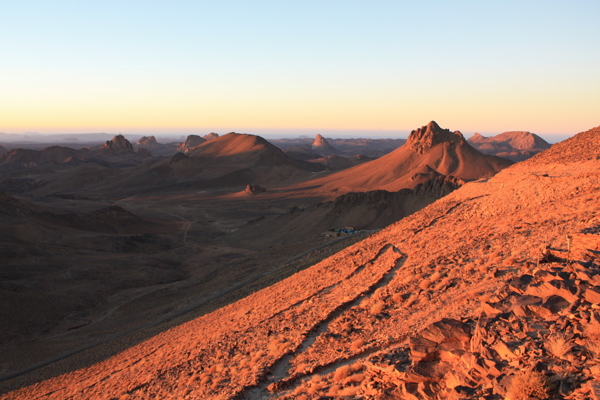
<point x="357" y="210"/>
<point x="491" y="292"/>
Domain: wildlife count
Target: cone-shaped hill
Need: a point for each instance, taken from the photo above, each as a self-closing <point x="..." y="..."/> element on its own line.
<point x="429" y="150"/>
<point x="323" y="147"/>
<point x="239" y="159"/>
<point x="478" y="295"/>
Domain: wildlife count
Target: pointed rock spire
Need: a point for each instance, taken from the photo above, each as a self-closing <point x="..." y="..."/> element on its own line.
<point x="320" y="141"/>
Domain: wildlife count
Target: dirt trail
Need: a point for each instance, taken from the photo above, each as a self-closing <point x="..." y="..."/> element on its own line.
<point x="280" y="376"/>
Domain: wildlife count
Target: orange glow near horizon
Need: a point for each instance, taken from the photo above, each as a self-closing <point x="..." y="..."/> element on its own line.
<point x="466" y="112"/>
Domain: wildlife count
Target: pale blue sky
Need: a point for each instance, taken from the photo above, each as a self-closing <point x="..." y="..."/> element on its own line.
<point x="266" y="66"/>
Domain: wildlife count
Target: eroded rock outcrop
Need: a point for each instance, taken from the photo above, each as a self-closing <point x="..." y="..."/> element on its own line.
<point x="430" y="135"/>
<point x="147" y="141"/>
<point x="118" y="144"/>
<point x="191" y="142"/>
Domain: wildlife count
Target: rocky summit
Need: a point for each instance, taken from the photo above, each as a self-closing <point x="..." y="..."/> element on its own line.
<point x="118" y="144"/>
<point x="430" y="135"/>
<point x="323" y="147"/>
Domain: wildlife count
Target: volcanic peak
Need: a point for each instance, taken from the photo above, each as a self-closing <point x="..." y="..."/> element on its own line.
<point x="320" y="141"/>
<point x="430" y="135"/>
<point x="119" y="144"/>
<point x="321" y="145"/>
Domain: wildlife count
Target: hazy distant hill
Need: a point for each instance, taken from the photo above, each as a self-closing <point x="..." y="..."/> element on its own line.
<point x="515" y="146"/>
<point x="373" y="148"/>
<point x="24" y="158"/>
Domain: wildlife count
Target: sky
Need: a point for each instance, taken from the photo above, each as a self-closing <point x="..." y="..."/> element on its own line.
<point x="378" y="68"/>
